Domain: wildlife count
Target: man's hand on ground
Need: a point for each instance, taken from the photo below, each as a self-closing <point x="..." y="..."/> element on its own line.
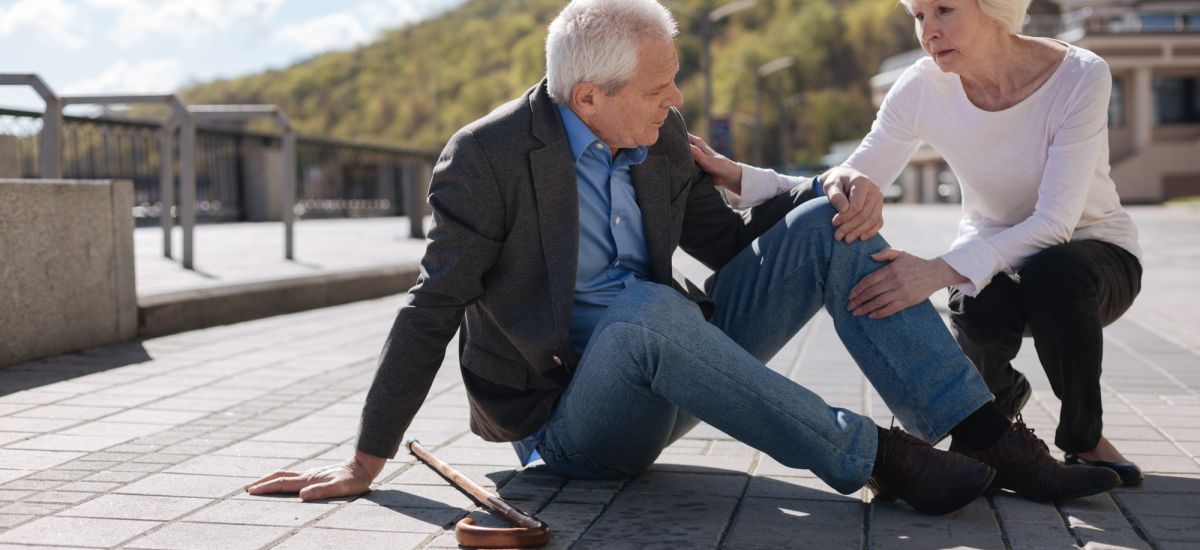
<point x="859" y="203"/>
<point x="350" y="478"/>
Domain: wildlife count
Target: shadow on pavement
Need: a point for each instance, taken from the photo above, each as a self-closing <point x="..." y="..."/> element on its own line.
<point x="47" y="371"/>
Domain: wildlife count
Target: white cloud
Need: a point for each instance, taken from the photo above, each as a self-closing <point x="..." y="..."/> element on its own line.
<point x="328" y="32"/>
<point x="186" y="19"/>
<point x="123" y="77"/>
<point x="53" y="19"/>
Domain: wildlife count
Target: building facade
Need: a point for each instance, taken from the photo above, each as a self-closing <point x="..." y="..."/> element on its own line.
<point x="1153" y="49"/>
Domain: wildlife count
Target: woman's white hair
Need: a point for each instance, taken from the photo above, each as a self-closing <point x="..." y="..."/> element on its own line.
<point x="597" y="41"/>
<point x="1009" y="13"/>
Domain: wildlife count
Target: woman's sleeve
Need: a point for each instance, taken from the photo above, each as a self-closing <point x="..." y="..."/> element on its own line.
<point x="893" y="138"/>
<point x="1070" y="164"/>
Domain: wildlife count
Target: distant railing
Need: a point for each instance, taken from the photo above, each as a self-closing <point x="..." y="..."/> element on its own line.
<point x="1117" y="20"/>
<point x="335" y="178"/>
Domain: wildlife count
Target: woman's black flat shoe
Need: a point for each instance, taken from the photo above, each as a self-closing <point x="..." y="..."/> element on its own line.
<point x="1130" y="474"/>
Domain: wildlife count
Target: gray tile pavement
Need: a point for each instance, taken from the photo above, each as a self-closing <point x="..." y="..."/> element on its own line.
<point x="147" y="444"/>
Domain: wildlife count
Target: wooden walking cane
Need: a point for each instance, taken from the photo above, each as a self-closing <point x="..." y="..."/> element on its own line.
<point x="530" y="532"/>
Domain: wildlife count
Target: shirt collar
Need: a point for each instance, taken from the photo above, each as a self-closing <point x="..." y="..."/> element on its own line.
<point x="581" y="138"/>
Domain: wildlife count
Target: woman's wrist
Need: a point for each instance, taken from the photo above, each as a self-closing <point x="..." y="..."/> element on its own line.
<point x="947" y="275"/>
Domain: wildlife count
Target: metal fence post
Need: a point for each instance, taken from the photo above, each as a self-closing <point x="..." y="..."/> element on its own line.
<point x="289" y="191"/>
<point x="187" y="188"/>
<point x="51" y="146"/>
<point x="166" y="182"/>
<point x="51" y="139"/>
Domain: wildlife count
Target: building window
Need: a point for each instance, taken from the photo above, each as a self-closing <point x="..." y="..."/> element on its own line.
<point x="1116" y="104"/>
<point x="1177" y="100"/>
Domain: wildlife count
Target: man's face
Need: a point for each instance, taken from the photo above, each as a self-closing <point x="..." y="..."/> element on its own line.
<point x="632" y="117"/>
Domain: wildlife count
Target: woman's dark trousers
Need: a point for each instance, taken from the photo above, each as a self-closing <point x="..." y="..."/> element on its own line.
<point x="1063" y="297"/>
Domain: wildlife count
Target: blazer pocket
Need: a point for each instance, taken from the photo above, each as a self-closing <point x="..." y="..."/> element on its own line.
<point x="494" y="368"/>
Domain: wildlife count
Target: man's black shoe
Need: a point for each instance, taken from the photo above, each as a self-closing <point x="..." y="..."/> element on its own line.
<point x="1024" y="465"/>
<point x="933" y="482"/>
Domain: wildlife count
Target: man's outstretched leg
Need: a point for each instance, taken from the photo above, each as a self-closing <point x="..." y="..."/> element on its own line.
<point x="654" y="366"/>
<point x="775" y="285"/>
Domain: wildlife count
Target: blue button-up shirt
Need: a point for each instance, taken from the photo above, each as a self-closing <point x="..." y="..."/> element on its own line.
<point x="612" y="240"/>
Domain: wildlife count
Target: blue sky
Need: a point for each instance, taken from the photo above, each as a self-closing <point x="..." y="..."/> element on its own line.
<point x="156" y="46"/>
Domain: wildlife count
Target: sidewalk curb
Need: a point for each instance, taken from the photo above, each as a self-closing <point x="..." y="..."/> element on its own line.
<point x="174" y="312"/>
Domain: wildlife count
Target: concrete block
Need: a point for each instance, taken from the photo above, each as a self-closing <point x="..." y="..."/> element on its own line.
<point x="66" y="267"/>
<point x="174" y="312"/>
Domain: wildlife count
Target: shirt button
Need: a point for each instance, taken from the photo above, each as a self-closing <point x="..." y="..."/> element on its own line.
<point x="618" y="220"/>
<point x="557" y="360"/>
<point x="600" y="146"/>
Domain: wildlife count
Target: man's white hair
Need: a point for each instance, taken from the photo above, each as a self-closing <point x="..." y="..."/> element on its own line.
<point x="597" y="41"/>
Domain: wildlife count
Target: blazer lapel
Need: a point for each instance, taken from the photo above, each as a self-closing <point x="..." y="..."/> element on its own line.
<point x="557" y="197"/>
<point x="651" y="180"/>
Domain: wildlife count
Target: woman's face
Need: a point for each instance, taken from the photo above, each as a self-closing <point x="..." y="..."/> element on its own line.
<point x="955" y="33"/>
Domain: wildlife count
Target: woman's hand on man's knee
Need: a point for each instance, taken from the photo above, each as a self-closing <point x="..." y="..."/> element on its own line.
<point x="859" y="203"/>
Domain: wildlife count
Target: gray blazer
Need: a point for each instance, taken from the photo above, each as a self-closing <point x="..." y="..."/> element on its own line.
<point x="501" y="261"/>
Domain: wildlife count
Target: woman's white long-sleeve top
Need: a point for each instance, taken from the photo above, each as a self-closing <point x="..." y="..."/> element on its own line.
<point x="1032" y="176"/>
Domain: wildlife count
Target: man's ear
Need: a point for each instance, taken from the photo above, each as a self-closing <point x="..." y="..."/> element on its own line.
<point x="585" y="99"/>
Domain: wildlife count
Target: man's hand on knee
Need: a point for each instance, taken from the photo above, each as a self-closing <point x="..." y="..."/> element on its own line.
<point x="859" y="203"/>
<point x="350" y="478"/>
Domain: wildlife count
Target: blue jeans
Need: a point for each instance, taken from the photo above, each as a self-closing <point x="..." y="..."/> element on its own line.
<point x="654" y="367"/>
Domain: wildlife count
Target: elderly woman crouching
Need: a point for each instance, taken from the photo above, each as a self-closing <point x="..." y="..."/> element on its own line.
<point x="1044" y="247"/>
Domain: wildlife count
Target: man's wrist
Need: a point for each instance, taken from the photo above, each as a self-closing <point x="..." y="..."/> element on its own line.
<point x="370" y="464"/>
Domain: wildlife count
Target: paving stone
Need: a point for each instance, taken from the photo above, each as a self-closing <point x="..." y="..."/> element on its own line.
<point x="1013" y="510"/>
<point x="209" y="536"/>
<point x="10" y="520"/>
<point x="778" y="523"/>
<point x="33" y="425"/>
<point x="55" y="475"/>
<point x="116" y="506"/>
<point x="77" y="532"/>
<point x="403" y="520"/>
<point x="30" y="485"/>
<point x="339" y="539"/>
<point x="116" y="477"/>
<point x="59" y="497"/>
<point x="899" y="526"/>
<point x="807" y="488"/>
<point x="230" y="466"/>
<point x="273" y="449"/>
<point x="59" y="442"/>
<point x="15" y="459"/>
<point x="415" y="496"/>
<point x="1149" y="504"/>
<point x="89" y="486"/>
<point x="13" y="494"/>
<point x="67" y="412"/>
<point x="1038" y="535"/>
<point x="650" y="519"/>
<point x="262" y="512"/>
<point x="9" y="437"/>
<point x="31" y="508"/>
<point x="684" y="483"/>
<point x="186" y="485"/>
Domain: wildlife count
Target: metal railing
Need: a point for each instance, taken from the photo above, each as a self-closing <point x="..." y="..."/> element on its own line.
<point x="335" y="178"/>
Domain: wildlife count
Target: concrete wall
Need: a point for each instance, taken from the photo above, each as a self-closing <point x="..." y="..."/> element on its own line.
<point x="10" y="166"/>
<point x="66" y="267"/>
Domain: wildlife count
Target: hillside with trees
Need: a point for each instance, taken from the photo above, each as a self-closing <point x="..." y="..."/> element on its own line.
<point x="415" y="85"/>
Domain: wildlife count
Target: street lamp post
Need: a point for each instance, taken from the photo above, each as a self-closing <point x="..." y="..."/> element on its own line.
<point x="760" y="76"/>
<point x="706" y="35"/>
